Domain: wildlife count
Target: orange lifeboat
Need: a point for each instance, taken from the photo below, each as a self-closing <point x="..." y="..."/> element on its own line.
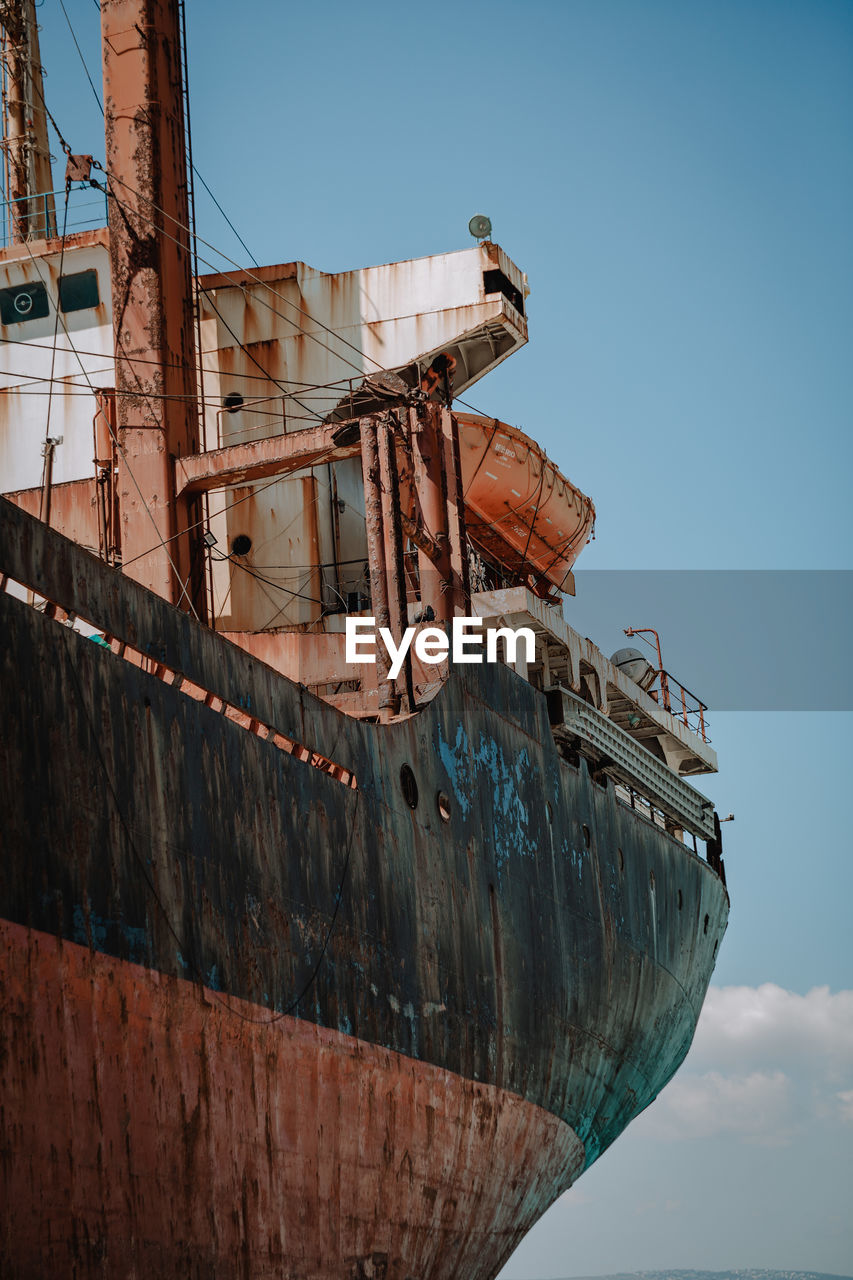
<point x="519" y="507"/>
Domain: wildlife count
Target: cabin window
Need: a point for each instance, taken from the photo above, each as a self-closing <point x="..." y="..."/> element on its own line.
<point x="497" y="282"/>
<point x="79" y="292"/>
<point x="24" y="302"/>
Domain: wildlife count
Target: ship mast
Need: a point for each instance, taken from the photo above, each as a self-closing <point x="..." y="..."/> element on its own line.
<point x="26" y="156"/>
<point x="155" y="357"/>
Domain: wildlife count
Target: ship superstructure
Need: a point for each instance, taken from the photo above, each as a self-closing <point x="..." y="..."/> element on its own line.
<point x="307" y="971"/>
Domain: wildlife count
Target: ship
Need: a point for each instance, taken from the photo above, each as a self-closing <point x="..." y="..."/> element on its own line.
<point x="308" y="971"/>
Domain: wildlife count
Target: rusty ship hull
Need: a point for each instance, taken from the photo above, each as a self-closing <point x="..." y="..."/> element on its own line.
<point x="307" y="971"/>
<point x="289" y="994"/>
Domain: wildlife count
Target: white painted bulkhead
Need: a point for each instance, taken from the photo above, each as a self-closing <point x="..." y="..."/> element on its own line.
<point x="28" y="362"/>
<point x="283" y="347"/>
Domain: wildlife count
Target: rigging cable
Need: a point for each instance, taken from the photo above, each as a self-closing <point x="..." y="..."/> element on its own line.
<point x="305" y="387"/>
<point x="245" y="271"/>
<point x="255" y="361"/>
<point x="193" y="243"/>
<point x="276" y="293"/>
<point x="270" y="582"/>
<point x="252" y="278"/>
<point x="80" y="54"/>
<point x="56" y="321"/>
<point x="192" y="164"/>
<point x="225" y="216"/>
<point x="161" y="540"/>
<point x="128" y="209"/>
<point x="191" y="231"/>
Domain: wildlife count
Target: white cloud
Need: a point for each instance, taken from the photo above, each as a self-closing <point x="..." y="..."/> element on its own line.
<point x="765" y="1063"/>
<point x="756" y="1107"/>
<point x="769" y="1026"/>
<point x="845" y="1099"/>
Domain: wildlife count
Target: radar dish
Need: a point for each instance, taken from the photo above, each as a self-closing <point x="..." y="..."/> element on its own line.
<point x="480" y="226"/>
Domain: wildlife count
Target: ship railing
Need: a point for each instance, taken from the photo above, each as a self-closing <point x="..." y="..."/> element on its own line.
<point x="260" y="417"/>
<point x="646" y="808"/>
<point x="304" y="405"/>
<point x="677" y="699"/>
<point x="36" y="218"/>
<point x="73" y="589"/>
<point x="670" y="693"/>
<point x="580" y="727"/>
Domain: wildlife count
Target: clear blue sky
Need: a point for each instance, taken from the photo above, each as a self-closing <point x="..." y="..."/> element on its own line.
<point x="676" y="177"/>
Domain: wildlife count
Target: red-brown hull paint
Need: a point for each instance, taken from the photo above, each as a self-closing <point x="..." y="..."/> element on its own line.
<point x="151" y="1127"/>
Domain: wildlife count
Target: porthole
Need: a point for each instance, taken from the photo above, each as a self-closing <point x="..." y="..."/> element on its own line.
<point x="232" y="402"/>
<point x="586" y="835"/>
<point x="23" y="303"/>
<point x="680" y="899"/>
<point x="442" y="804"/>
<point x="409" y="786"/>
<point x="241" y="545"/>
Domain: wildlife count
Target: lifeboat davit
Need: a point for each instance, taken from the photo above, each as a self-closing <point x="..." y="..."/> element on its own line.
<point x="519" y="507"/>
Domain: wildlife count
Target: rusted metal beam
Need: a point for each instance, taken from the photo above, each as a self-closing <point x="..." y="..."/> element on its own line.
<point x="27" y="150"/>
<point x="393" y="535"/>
<point x="152" y="293"/>
<point x="259" y="459"/>
<point x="414" y="530"/>
<point x="388" y="700"/>
<point x="436" y="573"/>
<point x="461" y="590"/>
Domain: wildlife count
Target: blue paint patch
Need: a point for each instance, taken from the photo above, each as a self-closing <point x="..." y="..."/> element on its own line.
<point x="577" y="860"/>
<point x="90" y="929"/>
<point x="506" y="779"/>
<point x="457" y="765"/>
<point x="212" y="979"/>
<point x="513" y="830"/>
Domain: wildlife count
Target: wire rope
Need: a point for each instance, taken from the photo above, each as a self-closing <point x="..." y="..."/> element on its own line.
<point x="161" y="541"/>
<point x="56" y="321"/>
